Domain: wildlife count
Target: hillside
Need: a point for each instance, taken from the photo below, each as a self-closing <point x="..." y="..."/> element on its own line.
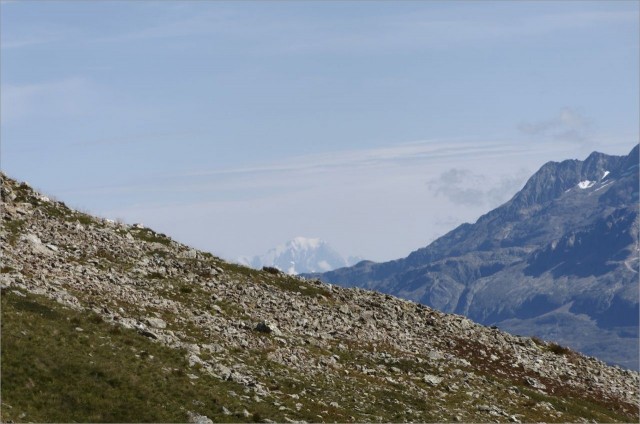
<point x="558" y="261"/>
<point x="103" y="321"/>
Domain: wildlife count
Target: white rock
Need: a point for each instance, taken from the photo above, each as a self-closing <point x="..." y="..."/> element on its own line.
<point x="156" y="323"/>
<point x="32" y="239"/>
<point x="198" y="419"/>
<point x="434" y="380"/>
<point x="268" y="327"/>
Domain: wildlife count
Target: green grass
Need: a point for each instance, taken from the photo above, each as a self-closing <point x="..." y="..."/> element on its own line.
<point x="150" y="236"/>
<point x="82" y="218"/>
<point x="241" y="270"/>
<point x="23" y="194"/>
<point x="55" y="210"/>
<point x="577" y="408"/>
<point x="15" y="228"/>
<point x="558" y="349"/>
<point x="160" y="253"/>
<point x="54" y="373"/>
<point x="51" y="372"/>
<point x="575" y="404"/>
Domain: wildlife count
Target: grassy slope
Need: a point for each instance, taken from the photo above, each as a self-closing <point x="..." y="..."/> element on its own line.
<point x="53" y="372"/>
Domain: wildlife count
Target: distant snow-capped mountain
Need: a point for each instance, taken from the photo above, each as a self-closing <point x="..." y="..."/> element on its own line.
<point x="301" y="255"/>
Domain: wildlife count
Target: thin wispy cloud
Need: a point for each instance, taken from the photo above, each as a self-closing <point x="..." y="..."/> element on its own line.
<point x="387" y="202"/>
<point x="28" y="41"/>
<point x="269" y="33"/>
<point x="67" y="97"/>
<point x="567" y="125"/>
<point x="424" y="151"/>
<point x="465" y="187"/>
<point x="417" y="153"/>
<point x="235" y="125"/>
<point x="425" y="30"/>
<point x="369" y="169"/>
<point x="200" y="24"/>
<point x="16" y="36"/>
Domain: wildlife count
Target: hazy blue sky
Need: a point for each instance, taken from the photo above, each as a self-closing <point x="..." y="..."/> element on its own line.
<point x="377" y="126"/>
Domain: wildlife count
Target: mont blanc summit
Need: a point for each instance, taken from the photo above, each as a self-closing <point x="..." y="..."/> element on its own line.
<point x="301" y="255"/>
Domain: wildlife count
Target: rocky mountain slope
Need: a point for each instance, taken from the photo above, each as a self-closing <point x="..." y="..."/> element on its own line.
<point x="103" y="321"/>
<point x="301" y="255"/>
<point x="559" y="261"/>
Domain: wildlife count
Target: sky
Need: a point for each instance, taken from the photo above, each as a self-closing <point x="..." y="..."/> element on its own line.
<point x="375" y="126"/>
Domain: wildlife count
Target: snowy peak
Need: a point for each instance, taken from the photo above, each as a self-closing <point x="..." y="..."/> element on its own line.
<point x="301" y="255"/>
<point x="303" y="243"/>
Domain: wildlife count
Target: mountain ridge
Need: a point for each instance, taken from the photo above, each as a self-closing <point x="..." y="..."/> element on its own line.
<point x="552" y="230"/>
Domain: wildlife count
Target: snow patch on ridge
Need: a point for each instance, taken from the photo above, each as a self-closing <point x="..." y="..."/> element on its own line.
<point x="585" y="184"/>
<point x="305" y="243"/>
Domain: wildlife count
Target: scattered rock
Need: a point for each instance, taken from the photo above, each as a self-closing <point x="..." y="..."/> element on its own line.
<point x="190" y="254"/>
<point x="432" y="379"/>
<point x="535" y="383"/>
<point x="156" y="323"/>
<point x="149" y="334"/>
<point x="269" y="328"/>
<point x="198" y="419"/>
<point x="434" y="355"/>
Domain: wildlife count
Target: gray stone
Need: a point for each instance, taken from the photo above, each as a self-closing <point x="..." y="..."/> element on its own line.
<point x="269" y="328"/>
<point x="431" y="379"/>
<point x="191" y="254"/>
<point x="36" y="244"/>
<point x="435" y="355"/>
<point x="535" y="383"/>
<point x="198" y="419"/>
<point x="156" y="323"/>
<point x="149" y="334"/>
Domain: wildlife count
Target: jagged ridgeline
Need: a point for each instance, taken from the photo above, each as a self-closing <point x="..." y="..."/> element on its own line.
<point x="558" y="261"/>
<point x="108" y="322"/>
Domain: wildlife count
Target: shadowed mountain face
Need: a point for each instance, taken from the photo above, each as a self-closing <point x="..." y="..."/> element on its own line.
<point x="559" y="260"/>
